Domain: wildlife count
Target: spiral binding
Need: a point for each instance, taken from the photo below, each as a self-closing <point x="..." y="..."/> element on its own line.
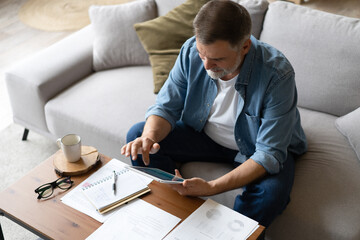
<point x="105" y="179"/>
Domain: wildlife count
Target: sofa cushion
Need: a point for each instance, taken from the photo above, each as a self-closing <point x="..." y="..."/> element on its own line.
<point x="324" y="51"/>
<point x="325" y="197"/>
<point x="165" y="6"/>
<point x="116" y="43"/>
<point x="349" y="126"/>
<point x="210" y="171"/>
<point x="102" y="107"/>
<point x="163" y="37"/>
<point x="257" y="10"/>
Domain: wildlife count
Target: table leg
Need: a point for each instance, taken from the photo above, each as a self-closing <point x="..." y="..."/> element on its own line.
<point x="1" y="233"/>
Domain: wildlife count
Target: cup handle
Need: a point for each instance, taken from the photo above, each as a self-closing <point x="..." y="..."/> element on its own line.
<point x="58" y="141"/>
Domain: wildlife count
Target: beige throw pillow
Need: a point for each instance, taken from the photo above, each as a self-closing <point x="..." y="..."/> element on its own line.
<point x="163" y="37"/>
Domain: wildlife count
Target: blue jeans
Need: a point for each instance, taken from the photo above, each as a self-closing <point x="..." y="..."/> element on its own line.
<point x="262" y="200"/>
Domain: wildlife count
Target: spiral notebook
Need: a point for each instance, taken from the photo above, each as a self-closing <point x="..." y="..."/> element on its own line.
<point x="100" y="191"/>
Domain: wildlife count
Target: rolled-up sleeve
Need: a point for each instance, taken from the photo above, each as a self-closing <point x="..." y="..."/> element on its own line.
<point x="277" y="124"/>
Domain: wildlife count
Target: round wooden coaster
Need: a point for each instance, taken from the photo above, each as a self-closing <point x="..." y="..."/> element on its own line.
<point x="89" y="159"/>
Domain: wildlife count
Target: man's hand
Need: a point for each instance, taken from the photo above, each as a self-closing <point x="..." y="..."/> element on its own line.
<point x="141" y="145"/>
<point x="193" y="187"/>
<point x="156" y="128"/>
<point x="244" y="174"/>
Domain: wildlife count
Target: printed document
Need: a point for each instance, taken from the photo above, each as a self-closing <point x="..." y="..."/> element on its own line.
<point x="214" y="221"/>
<point x="137" y="220"/>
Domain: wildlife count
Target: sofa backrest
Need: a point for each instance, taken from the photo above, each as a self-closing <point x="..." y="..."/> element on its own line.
<point x="324" y="51"/>
<point x="164" y="6"/>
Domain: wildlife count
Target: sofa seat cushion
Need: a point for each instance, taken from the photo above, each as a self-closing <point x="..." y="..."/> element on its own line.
<point x="349" y="126"/>
<point x="325" y="197"/>
<point x="210" y="171"/>
<point x="102" y="107"/>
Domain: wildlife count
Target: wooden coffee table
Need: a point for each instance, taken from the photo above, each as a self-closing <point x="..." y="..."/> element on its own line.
<point x="51" y="219"/>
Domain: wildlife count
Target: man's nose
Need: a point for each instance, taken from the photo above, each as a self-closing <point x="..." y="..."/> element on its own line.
<point x="208" y="64"/>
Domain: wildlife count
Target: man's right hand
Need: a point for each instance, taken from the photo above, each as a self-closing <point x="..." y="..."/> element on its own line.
<point x="156" y="129"/>
<point x="141" y="145"/>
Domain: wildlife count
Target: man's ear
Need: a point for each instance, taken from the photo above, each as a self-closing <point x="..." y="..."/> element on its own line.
<point x="246" y="46"/>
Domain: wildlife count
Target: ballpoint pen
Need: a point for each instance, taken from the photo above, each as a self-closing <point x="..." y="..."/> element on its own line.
<point x="114" y="184"/>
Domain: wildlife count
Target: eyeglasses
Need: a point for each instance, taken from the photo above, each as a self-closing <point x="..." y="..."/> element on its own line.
<point x="46" y="190"/>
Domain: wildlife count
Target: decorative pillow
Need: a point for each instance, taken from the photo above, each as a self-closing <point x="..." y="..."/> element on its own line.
<point x="163" y="37"/>
<point x="349" y="126"/>
<point x="165" y="6"/>
<point x="116" y="43"/>
<point x="257" y="10"/>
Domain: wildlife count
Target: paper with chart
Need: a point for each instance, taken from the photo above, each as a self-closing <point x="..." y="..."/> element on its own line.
<point x="76" y="199"/>
<point x="214" y="221"/>
<point x="137" y="220"/>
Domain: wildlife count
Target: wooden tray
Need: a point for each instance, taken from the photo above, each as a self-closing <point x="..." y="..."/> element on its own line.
<point x="89" y="158"/>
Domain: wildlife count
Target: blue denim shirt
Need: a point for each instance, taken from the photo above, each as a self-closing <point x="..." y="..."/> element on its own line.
<point x="268" y="121"/>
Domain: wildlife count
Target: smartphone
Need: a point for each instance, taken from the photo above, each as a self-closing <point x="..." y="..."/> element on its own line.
<point x="157" y="174"/>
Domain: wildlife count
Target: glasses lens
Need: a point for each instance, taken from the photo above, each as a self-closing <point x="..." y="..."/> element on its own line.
<point x="64" y="183"/>
<point x="45" y="191"/>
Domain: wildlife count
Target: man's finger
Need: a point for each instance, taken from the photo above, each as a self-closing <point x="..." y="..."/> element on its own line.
<point x="134" y="148"/>
<point x="146" y="146"/>
<point x="122" y="151"/>
<point x="179" y="188"/>
<point x="177" y="173"/>
<point x="128" y="149"/>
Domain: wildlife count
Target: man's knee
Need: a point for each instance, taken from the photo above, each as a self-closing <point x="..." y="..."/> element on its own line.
<point x="135" y="131"/>
<point x="263" y="201"/>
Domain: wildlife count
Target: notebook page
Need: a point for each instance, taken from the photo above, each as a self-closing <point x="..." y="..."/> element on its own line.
<point x="100" y="192"/>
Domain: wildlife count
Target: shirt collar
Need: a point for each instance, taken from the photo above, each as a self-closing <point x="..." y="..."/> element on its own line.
<point x="246" y="68"/>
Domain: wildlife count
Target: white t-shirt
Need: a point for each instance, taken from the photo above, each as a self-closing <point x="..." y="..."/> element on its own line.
<point x="221" y="122"/>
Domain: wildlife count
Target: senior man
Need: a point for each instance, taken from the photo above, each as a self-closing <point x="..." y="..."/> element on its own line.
<point x="229" y="98"/>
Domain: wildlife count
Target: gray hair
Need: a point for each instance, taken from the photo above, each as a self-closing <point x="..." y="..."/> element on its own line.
<point x="222" y="20"/>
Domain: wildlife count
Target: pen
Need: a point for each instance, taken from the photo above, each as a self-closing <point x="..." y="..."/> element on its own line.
<point x="114" y="184"/>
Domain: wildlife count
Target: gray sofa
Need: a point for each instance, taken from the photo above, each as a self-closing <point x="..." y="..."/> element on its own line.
<point x="57" y="92"/>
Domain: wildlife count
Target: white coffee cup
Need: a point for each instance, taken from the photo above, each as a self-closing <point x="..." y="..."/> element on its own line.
<point x="71" y="147"/>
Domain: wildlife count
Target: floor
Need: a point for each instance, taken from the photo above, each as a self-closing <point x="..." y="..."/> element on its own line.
<point x="18" y="41"/>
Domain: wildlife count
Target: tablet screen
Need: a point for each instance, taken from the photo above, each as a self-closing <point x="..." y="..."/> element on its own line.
<point x="160" y="174"/>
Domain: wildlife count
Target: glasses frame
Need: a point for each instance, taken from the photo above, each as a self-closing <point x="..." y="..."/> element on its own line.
<point x="52" y="185"/>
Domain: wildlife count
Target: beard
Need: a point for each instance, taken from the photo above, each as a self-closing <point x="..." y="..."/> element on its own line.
<point x="218" y="73"/>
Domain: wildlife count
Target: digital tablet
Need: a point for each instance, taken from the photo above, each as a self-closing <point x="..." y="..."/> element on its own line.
<point x="157" y="174"/>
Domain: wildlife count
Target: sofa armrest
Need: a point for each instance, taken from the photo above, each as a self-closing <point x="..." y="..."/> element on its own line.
<point x="32" y="82"/>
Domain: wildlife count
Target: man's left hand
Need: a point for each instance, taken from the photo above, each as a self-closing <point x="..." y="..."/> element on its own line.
<point x="193" y="186"/>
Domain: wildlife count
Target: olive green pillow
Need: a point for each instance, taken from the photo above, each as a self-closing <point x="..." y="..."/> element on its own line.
<point x="163" y="37"/>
